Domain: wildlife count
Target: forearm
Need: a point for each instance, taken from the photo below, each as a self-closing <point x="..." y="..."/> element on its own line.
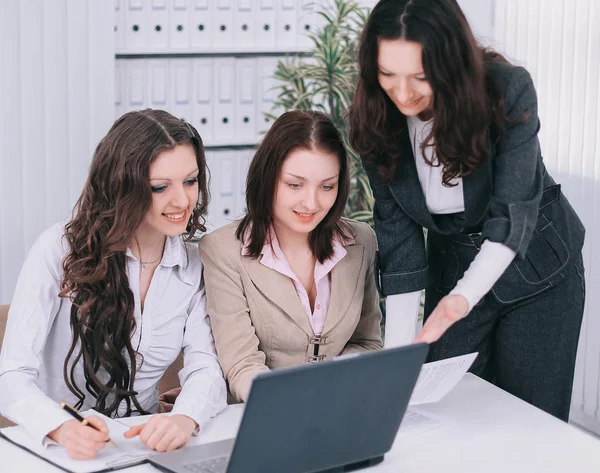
<point x="487" y="267"/>
<point x="24" y="403"/>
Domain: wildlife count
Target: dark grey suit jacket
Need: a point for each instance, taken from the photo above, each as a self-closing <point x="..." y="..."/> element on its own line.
<point x="510" y="199"/>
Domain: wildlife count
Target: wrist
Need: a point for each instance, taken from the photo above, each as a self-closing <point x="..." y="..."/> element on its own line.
<point x="187" y="424"/>
<point x="461" y="304"/>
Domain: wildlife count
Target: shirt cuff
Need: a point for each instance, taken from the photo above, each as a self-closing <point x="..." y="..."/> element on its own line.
<point x="38" y="417"/>
<point x="401" y="313"/>
<point x="487" y="267"/>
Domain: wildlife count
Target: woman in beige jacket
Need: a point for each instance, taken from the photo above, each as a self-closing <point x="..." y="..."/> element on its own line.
<point x="292" y="282"/>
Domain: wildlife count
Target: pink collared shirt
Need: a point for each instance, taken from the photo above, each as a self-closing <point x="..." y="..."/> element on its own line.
<point x="273" y="258"/>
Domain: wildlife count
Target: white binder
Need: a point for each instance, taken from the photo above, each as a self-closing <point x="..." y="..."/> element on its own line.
<point x="203" y="117"/>
<point x="158" y="84"/>
<point x="157" y="25"/>
<point x="307" y="22"/>
<point x="223" y="182"/>
<point x="266" y="92"/>
<point x="181" y="89"/>
<point x="246" y="101"/>
<point x="135" y="25"/>
<point x="222" y="18"/>
<point x="135" y="85"/>
<point x="243" y="158"/>
<point x="227" y="182"/>
<point x="179" y="24"/>
<point x="224" y="94"/>
<point x="201" y="25"/>
<point x="287" y="18"/>
<point x="265" y="25"/>
<point x="119" y="104"/>
<point x="212" y="222"/>
<point x="119" y="25"/>
<point x="244" y="24"/>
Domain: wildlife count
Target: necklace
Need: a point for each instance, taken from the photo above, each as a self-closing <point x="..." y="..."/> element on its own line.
<point x="144" y="263"/>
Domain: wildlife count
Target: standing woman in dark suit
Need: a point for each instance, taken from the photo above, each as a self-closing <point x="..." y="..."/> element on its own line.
<point x="447" y="132"/>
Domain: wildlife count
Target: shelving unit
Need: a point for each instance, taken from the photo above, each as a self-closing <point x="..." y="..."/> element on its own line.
<point x="211" y="62"/>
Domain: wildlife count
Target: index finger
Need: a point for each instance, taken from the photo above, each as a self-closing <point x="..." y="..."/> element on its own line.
<point x="135" y="430"/>
<point x="89" y="433"/>
<point x="98" y="423"/>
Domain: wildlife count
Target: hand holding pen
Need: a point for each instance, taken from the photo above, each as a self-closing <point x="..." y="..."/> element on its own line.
<point x="81" y="437"/>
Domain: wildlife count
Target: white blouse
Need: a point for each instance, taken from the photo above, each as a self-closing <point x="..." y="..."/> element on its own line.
<point x="487" y="267"/>
<point x="38" y="337"/>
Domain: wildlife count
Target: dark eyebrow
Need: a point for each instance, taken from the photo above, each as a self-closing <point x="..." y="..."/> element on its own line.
<point x="169" y="180"/>
<point x="383" y="69"/>
<point x="304" y="179"/>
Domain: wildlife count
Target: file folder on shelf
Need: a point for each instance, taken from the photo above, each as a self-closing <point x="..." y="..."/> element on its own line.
<point x="222" y="18"/>
<point x="285" y="38"/>
<point x="245" y="24"/>
<point x="246" y="101"/>
<point x="135" y="25"/>
<point x="179" y="24"/>
<point x="181" y="89"/>
<point x="157" y="26"/>
<point x="224" y="94"/>
<point x="265" y="25"/>
<point x="203" y="116"/>
<point x="201" y="25"/>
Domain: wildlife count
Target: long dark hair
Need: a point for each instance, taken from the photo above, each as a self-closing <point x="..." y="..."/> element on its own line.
<point x="466" y="100"/>
<point x="292" y="131"/>
<point x="113" y="203"/>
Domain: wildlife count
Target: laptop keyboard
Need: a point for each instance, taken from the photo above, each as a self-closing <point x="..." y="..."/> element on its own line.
<point x="214" y="465"/>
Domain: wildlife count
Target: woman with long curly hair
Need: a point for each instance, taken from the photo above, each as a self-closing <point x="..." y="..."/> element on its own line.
<point x="106" y="301"/>
<point x="447" y="132"/>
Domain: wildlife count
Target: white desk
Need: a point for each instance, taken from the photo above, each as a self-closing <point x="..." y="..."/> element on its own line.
<point x="484" y="430"/>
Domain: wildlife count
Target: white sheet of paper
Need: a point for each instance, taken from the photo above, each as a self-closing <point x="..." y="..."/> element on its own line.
<point x="417" y="421"/>
<point x="439" y="377"/>
<point x="128" y="450"/>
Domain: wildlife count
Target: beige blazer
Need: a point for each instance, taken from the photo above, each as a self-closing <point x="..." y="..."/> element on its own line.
<point x="258" y="321"/>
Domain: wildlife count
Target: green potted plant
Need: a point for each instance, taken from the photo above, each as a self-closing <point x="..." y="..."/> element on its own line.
<point x="325" y="80"/>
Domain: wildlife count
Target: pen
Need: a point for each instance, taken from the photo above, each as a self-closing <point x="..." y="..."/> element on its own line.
<point x="75" y="414"/>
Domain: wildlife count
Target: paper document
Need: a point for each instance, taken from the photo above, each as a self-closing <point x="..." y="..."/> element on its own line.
<point x="438" y="378"/>
<point x="416" y="421"/>
<point x="128" y="452"/>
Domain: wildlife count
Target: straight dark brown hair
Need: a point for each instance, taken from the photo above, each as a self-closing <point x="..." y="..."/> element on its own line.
<point x="466" y="100"/>
<point x="309" y="130"/>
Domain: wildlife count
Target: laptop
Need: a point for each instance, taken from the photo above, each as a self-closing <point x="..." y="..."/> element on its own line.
<point x="333" y="416"/>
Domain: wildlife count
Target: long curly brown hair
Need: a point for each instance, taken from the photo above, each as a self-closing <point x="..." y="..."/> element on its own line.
<point x="113" y="203"/>
<point x="466" y="100"/>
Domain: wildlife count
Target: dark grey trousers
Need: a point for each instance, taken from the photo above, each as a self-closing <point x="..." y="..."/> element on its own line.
<point x="527" y="348"/>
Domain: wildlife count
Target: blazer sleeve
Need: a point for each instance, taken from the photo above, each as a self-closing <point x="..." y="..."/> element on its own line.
<point x="235" y="337"/>
<point x="401" y="262"/>
<point x="517" y="169"/>
<point x="367" y="336"/>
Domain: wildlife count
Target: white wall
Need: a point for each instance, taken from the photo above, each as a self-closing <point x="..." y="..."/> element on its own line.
<point x="57" y="96"/>
<point x="559" y="43"/>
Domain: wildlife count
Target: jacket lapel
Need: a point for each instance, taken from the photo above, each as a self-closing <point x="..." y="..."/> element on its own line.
<point x="477" y="190"/>
<point x="406" y="186"/>
<point x="279" y="289"/>
<point x="344" y="284"/>
<point x="408" y="192"/>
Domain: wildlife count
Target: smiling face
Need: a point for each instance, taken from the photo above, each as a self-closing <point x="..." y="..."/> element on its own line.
<point x="307" y="188"/>
<point x="402" y="77"/>
<point x="174" y="184"/>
